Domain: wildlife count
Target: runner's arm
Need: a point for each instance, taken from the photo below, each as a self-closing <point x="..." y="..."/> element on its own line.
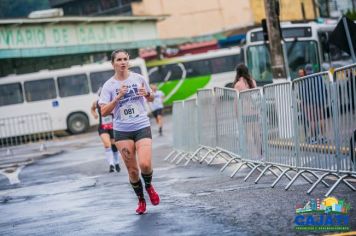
<point x="93" y="110"/>
<point x="107" y="108"/>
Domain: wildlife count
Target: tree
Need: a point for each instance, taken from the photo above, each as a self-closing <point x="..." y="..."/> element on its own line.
<point x="351" y="14"/>
<point x="274" y="38"/>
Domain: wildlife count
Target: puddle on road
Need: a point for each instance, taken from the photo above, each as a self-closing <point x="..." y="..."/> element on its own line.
<point x="12" y="174"/>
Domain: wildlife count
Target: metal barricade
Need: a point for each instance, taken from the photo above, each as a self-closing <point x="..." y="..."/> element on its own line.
<point x="227" y="135"/>
<point x="178" y="128"/>
<point x="278" y="130"/>
<point x="189" y="131"/>
<point x="307" y="126"/>
<point x="190" y="128"/>
<point x="206" y="126"/>
<point x="206" y="118"/>
<point x="313" y="126"/>
<point x="19" y="130"/>
<point x="280" y="137"/>
<point x="226" y="119"/>
<point x="250" y="127"/>
<point x="313" y="109"/>
<point x="250" y="116"/>
<point x="345" y="87"/>
<point x="343" y="112"/>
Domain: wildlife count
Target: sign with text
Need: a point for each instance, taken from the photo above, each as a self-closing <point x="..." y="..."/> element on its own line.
<point x="55" y="35"/>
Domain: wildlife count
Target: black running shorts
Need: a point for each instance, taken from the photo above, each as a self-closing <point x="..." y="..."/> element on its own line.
<point x="133" y="135"/>
<point x="106" y="131"/>
<point x="157" y="112"/>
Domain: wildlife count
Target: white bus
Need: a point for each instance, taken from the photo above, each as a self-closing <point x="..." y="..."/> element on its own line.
<point x="305" y="45"/>
<point x="66" y="95"/>
<point x="180" y="77"/>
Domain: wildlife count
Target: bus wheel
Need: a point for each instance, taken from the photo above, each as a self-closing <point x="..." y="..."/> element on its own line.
<point x="77" y="123"/>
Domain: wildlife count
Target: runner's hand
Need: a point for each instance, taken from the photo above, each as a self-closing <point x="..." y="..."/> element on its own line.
<point x="142" y="90"/>
<point x="122" y="92"/>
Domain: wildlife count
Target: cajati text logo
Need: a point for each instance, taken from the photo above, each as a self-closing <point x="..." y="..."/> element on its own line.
<point x="329" y="214"/>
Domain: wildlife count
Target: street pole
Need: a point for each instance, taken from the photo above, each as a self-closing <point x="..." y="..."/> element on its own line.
<point x="274" y="37"/>
<point x="277" y="61"/>
<point x="316" y="15"/>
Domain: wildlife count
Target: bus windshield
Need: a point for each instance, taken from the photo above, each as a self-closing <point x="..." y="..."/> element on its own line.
<point x="300" y="54"/>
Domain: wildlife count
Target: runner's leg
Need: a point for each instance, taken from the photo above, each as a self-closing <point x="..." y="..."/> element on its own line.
<point x="127" y="149"/>
<point x="144" y="153"/>
<point x="105" y="138"/>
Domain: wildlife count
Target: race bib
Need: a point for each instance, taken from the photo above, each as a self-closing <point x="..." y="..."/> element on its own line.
<point x="106" y="120"/>
<point x="129" y="110"/>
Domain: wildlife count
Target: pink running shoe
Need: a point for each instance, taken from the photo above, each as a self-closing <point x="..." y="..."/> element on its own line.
<point x="153" y="195"/>
<point x="141" y="207"/>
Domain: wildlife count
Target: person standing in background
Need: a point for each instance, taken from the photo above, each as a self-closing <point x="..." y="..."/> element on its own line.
<point x="243" y="79"/>
<point x="301" y="72"/>
<point x="313" y="93"/>
<point x="250" y="115"/>
<point x="157" y="107"/>
<point x="303" y="118"/>
<point x="106" y="134"/>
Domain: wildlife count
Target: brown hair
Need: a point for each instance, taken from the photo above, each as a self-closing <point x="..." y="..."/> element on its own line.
<point x="113" y="54"/>
<point x="242" y="71"/>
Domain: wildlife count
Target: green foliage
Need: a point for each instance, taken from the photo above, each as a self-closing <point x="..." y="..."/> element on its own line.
<point x="21" y="8"/>
<point x="351" y="14"/>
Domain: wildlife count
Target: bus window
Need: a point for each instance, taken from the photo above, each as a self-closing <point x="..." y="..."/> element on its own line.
<point x="330" y="53"/>
<point x="338" y="57"/>
<point x="171" y="72"/>
<point x="324" y="45"/>
<point x="224" y="64"/>
<point x="165" y="73"/>
<point x="155" y="74"/>
<point x="10" y="94"/>
<point x="197" y="68"/>
<point x="259" y="63"/>
<point x="73" y="85"/>
<point x="302" y="54"/>
<point x="40" y="90"/>
<point x="136" y="69"/>
<point x="97" y="79"/>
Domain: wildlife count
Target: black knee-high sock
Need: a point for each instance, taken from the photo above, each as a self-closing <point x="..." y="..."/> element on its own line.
<point x="147" y="178"/>
<point x="138" y="189"/>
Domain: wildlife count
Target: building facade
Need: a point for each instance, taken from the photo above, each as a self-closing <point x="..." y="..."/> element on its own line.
<point x="190" y="18"/>
<point x="94" y="7"/>
<point x="200" y="17"/>
<point x="181" y="21"/>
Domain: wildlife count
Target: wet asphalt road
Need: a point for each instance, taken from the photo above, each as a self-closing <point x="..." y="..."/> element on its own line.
<point x="72" y="193"/>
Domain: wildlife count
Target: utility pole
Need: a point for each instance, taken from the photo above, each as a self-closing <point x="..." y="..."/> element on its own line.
<point x="316" y="15"/>
<point x="274" y="37"/>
